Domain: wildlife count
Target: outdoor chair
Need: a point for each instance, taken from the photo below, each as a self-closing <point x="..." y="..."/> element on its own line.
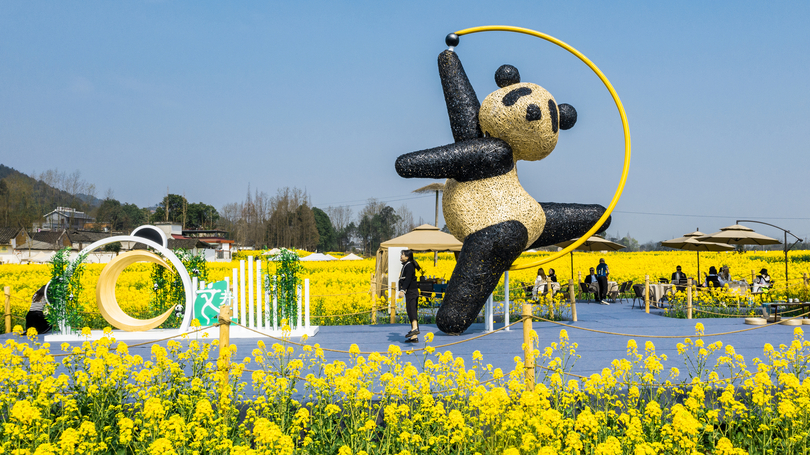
<point x="623" y="289"/>
<point x="638" y="291"/>
<point x="586" y="290"/>
<point x="527" y="290"/>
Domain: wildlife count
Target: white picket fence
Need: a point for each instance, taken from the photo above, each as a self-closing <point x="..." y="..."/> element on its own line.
<point x="257" y="308"/>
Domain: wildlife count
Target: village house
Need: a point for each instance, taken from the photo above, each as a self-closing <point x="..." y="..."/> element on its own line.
<point x="65" y="218"/>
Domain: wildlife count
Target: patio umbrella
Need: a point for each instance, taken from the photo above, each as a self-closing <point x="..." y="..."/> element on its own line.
<point x="690" y="242"/>
<point x="594" y="243"/>
<point x="738" y="235"/>
<point x="741" y="235"/>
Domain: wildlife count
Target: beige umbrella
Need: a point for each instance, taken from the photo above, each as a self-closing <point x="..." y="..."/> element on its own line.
<point x="425" y="238"/>
<point x="594" y="243"/>
<point x="738" y="235"/>
<point x="690" y="242"/>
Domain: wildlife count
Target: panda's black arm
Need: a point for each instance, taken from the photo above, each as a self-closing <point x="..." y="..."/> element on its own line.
<point x="568" y="221"/>
<point x="464" y="161"/>
<point x="462" y="103"/>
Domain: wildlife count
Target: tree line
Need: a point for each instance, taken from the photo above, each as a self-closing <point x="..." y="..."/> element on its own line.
<point x="289" y="220"/>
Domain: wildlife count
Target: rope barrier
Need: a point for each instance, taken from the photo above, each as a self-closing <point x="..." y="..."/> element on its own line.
<point x="145" y="343"/>
<point x="341" y="315"/>
<point x="380" y="352"/>
<point x="667" y="336"/>
<point x="333" y="295"/>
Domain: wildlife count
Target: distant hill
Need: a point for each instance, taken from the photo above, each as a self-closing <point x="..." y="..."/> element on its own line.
<point x="90" y="200"/>
<point x="29" y="199"/>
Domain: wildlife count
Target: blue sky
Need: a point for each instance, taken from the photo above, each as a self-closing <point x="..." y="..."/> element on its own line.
<point x="208" y="97"/>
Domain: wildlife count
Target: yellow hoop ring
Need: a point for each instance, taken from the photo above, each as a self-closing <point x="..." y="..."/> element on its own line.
<point x="625" y="168"/>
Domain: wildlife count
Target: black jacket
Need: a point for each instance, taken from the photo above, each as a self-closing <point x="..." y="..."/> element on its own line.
<point x="407" y="277"/>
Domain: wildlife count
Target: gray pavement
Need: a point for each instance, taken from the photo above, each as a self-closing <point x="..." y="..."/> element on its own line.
<point x="499" y="349"/>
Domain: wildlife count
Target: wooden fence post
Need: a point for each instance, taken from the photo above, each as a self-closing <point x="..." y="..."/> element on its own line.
<point x="647" y="293"/>
<point x="224" y="351"/>
<point x="528" y="346"/>
<point x="752" y="277"/>
<point x="689" y="299"/>
<point x="572" y="296"/>
<point x="7" y="313"/>
<point x="373" y="309"/>
<point x="804" y="275"/>
<point x="392" y="304"/>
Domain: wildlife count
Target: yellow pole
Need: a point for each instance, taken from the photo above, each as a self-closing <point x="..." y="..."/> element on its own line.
<point x="7" y="291"/>
<point x="647" y="293"/>
<point x="224" y="351"/>
<point x="528" y="346"/>
<point x="689" y="299"/>
<point x="550" y="298"/>
<point x="805" y="284"/>
<point x="392" y="304"/>
<point x="572" y="296"/>
<point x="752" y="277"/>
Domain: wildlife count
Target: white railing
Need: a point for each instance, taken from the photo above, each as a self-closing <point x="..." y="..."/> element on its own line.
<point x="253" y="305"/>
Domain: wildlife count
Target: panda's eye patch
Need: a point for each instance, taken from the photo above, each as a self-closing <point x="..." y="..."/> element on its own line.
<point x="552" y="108"/>
<point x="533" y="112"/>
<point x="512" y="97"/>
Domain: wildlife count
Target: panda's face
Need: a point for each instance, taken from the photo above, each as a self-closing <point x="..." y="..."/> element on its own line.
<point x="524" y="115"/>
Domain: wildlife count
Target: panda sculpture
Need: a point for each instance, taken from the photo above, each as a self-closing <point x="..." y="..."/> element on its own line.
<point x="484" y="205"/>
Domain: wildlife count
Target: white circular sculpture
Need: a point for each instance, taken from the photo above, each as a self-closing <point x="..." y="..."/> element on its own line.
<point x="105" y="291"/>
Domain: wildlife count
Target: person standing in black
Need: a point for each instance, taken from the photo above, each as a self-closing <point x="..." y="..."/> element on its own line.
<point x="35" y="317"/>
<point x="409" y="288"/>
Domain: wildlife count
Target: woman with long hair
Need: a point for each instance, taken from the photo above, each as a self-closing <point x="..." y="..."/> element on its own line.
<point x="409" y="288"/>
<point x="35" y="317"/>
<point x="539" y="283"/>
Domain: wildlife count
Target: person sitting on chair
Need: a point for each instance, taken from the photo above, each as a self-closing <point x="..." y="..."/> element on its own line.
<point x="593" y="283"/>
<point x="540" y="284"/>
<point x="677" y="276"/>
<point x="712" y="278"/>
<point x="724" y="276"/>
<point x="762" y="282"/>
<point x="35" y="317"/>
<point x="552" y="275"/>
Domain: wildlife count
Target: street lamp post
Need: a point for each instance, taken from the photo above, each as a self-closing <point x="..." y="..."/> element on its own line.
<point x="786" y="248"/>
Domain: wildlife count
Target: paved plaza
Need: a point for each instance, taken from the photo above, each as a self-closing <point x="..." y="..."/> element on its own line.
<point x="598" y="350"/>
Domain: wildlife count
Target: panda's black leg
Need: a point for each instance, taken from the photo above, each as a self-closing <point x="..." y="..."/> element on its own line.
<point x="568" y="221"/>
<point x="484" y="257"/>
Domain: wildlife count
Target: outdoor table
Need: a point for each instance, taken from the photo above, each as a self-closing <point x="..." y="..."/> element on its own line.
<point x="805" y="306"/>
<point x="659" y="290"/>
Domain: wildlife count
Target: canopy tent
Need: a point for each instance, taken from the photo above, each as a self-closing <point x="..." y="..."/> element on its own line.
<point x="351" y="257"/>
<point x="318" y="257"/>
<point x="425" y="238"/>
<point x="272" y="252"/>
<point x="690" y="242"/>
<point x="594" y="243"/>
<point x="422" y="238"/>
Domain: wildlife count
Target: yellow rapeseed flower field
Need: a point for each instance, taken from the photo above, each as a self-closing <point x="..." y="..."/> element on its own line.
<point x="342" y="287"/>
<point x="100" y="399"/>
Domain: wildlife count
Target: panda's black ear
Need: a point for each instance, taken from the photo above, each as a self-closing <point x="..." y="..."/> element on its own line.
<point x="507" y="75"/>
<point x="568" y="116"/>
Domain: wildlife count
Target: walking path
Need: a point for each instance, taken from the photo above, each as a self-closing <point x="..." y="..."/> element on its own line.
<point x="598" y="350"/>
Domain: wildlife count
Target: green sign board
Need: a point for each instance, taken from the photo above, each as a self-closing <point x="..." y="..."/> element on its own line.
<point x="208" y="301"/>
